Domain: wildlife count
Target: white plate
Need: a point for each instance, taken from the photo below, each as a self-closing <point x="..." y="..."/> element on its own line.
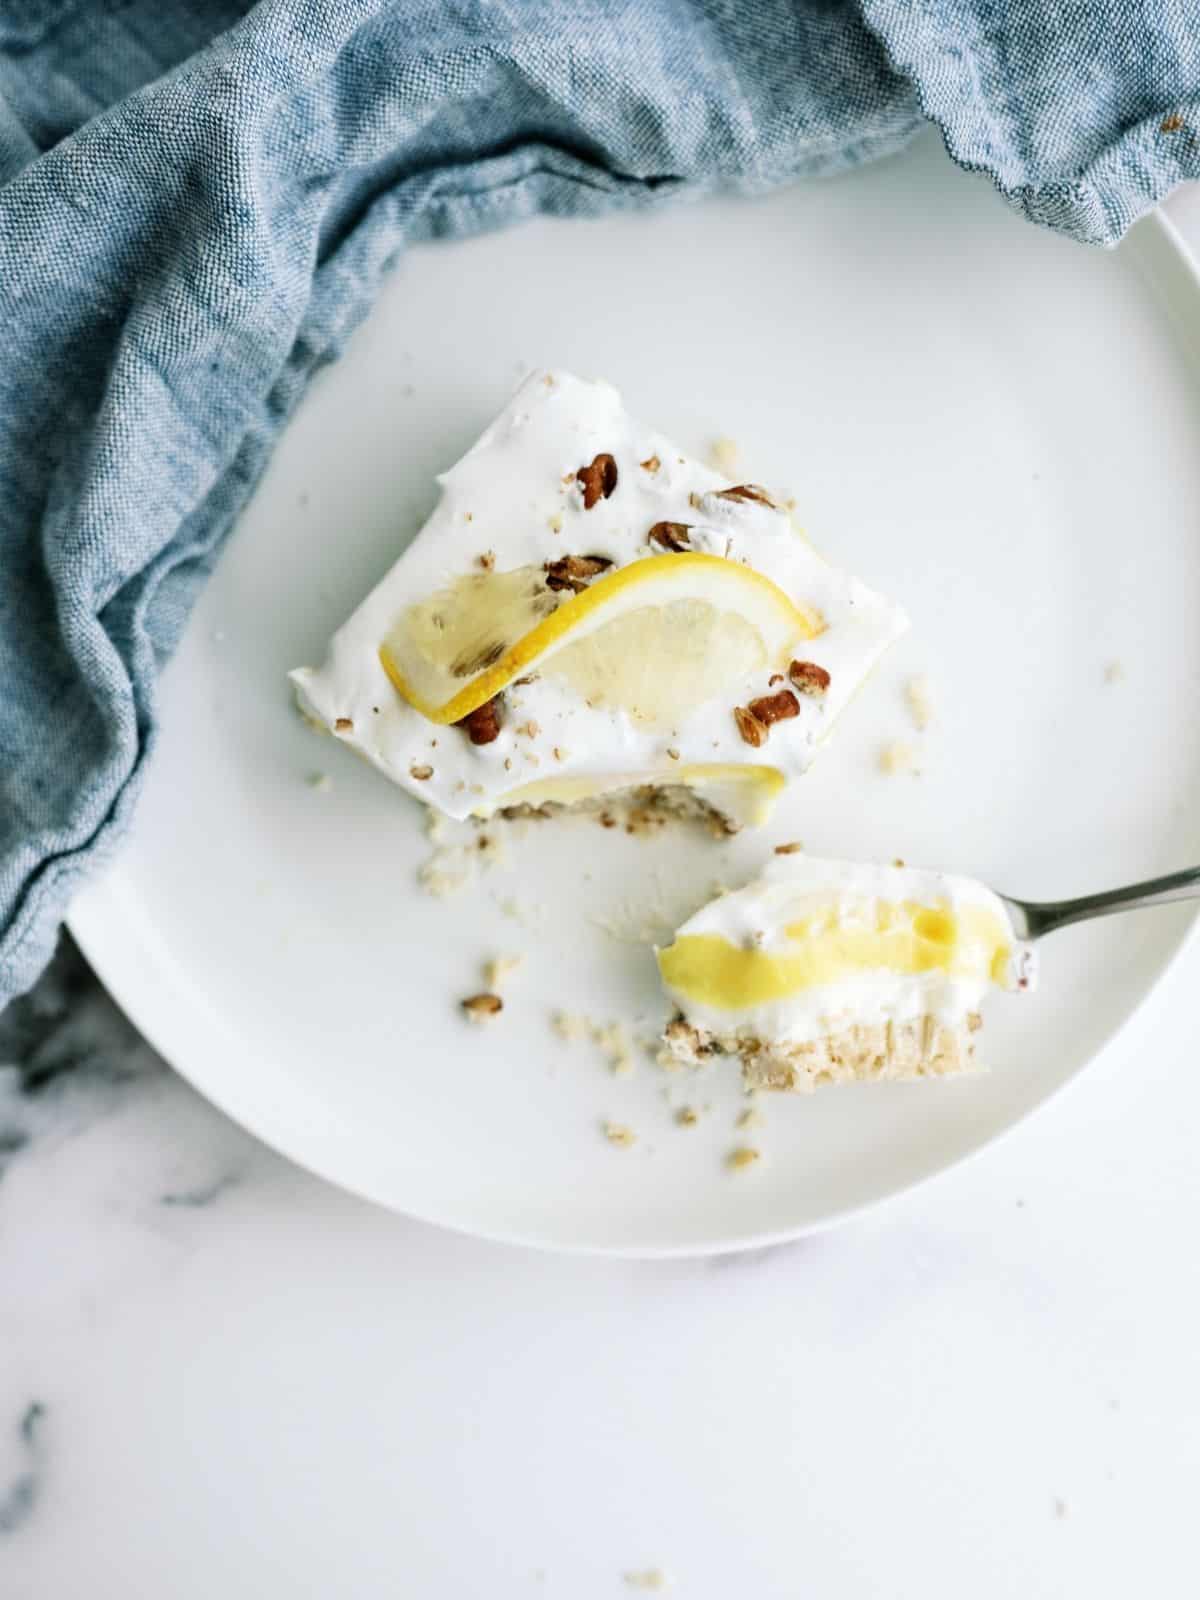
<point x="991" y="424"/>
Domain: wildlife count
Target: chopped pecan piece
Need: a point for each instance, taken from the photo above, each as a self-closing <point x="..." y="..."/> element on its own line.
<point x="483" y="724"/>
<point x="421" y="773"/>
<point x="344" y="725"/>
<point x="751" y="729"/>
<point x="481" y="1006"/>
<point x="597" y="480"/>
<point x="574" y="572"/>
<point x="775" y="707"/>
<point x="669" y="535"/>
<point x="651" y="464"/>
<point x="748" y="491"/>
<point x="808" y="677"/>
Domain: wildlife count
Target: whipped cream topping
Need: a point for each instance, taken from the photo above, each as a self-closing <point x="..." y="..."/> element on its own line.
<point x="514" y="498"/>
<point x="797" y="954"/>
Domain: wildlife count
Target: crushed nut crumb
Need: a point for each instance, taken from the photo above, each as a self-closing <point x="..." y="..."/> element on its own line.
<point x="555" y="523"/>
<point x="687" y="1116"/>
<point x="421" y="773"/>
<point x="651" y="464"/>
<point x="920" y="702"/>
<point x="791" y="848"/>
<point x="487" y="560"/>
<point x="672" y="753"/>
<point x="530" y="729"/>
<point x="898" y="861"/>
<point x="648" y="1578"/>
<point x="617" y="1133"/>
<point x="741" y="1158"/>
<point x="479" y="1007"/>
<point x="344" y="725"/>
<point x="808" y="677"/>
<point x="559" y="753"/>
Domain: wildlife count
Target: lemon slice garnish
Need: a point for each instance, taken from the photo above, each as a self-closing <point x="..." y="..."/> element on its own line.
<point x="745" y="794"/>
<point x="656" y="637"/>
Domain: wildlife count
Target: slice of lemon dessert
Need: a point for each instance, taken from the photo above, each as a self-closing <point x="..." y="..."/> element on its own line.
<point x="828" y="971"/>
<point x="590" y="614"/>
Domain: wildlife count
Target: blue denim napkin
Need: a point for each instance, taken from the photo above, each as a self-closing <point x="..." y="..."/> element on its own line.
<point x="199" y="199"/>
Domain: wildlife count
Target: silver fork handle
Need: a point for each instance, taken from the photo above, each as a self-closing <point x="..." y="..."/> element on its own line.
<point x="1046" y="917"/>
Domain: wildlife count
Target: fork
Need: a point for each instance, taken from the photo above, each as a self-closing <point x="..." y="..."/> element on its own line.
<point x="1032" y="919"/>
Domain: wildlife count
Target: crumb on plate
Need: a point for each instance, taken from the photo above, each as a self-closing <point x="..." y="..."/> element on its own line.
<point x="617" y="1133"/>
<point x="724" y="456"/>
<point x="920" y="701"/>
<point x="498" y="968"/>
<point x="898" y="759"/>
<point x="647" y="1578"/>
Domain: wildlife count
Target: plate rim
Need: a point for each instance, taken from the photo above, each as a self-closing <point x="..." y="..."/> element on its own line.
<point x="97" y="910"/>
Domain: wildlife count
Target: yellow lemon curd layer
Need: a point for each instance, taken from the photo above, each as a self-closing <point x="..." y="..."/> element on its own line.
<point x="836" y="942"/>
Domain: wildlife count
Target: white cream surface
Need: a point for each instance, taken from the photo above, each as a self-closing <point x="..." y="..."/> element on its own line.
<point x="793" y="887"/>
<point x="514" y="495"/>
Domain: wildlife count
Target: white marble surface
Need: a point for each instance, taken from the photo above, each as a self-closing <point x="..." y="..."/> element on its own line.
<point x="219" y="1377"/>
